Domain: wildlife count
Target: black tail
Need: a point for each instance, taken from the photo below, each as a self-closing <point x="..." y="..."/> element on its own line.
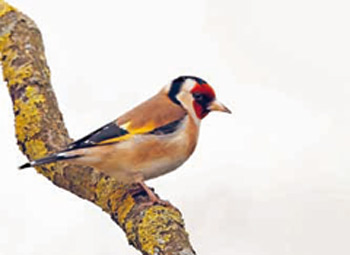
<point x="49" y="159"/>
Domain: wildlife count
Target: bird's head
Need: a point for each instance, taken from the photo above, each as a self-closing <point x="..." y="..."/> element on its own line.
<point x="195" y="95"/>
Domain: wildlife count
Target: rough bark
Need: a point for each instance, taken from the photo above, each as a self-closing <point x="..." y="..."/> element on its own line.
<point x="40" y="130"/>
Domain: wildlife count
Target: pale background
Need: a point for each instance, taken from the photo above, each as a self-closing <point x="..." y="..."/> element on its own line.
<point x="271" y="179"/>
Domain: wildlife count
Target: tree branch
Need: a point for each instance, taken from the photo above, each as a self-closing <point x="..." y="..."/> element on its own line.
<point x="40" y="131"/>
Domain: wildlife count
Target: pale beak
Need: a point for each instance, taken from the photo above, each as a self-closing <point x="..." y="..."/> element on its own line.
<point x="217" y="106"/>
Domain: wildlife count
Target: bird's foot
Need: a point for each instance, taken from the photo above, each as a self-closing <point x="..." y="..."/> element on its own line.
<point x="153" y="198"/>
<point x="156" y="202"/>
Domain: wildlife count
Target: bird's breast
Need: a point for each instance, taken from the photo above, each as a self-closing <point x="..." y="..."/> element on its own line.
<point x="155" y="155"/>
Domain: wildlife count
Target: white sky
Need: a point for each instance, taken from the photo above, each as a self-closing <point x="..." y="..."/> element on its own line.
<point x="271" y="179"/>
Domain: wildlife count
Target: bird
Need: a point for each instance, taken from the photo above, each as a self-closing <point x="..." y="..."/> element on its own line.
<point x="152" y="139"/>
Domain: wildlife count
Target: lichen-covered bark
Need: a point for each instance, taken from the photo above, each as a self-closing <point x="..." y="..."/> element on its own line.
<point x="40" y="130"/>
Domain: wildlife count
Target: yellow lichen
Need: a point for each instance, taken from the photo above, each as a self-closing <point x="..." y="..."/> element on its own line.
<point x="124" y="208"/>
<point x="14" y="75"/>
<point x="28" y="119"/>
<point x="103" y="189"/>
<point x="154" y="228"/>
<point x="5" y="8"/>
<point x="32" y="93"/>
<point x="7" y="55"/>
<point x="4" y="39"/>
<point x="36" y="148"/>
<point x="18" y="75"/>
<point x="129" y="230"/>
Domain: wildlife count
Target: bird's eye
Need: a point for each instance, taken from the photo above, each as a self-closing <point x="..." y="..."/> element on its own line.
<point x="198" y="97"/>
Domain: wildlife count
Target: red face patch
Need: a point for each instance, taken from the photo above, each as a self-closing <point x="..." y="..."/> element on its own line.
<point x="204" y="89"/>
<point x="203" y="95"/>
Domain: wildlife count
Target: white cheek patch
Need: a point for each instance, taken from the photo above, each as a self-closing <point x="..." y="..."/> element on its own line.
<point x="185" y="96"/>
<point x="186" y="100"/>
<point x="189" y="85"/>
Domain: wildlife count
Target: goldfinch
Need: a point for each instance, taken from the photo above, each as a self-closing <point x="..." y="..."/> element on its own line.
<point x="150" y="140"/>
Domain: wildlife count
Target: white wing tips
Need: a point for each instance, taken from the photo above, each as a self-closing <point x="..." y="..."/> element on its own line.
<point x="49" y="159"/>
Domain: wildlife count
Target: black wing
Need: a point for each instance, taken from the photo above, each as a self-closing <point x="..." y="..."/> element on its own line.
<point x="111" y="132"/>
<point x="102" y="134"/>
<point x="168" y="128"/>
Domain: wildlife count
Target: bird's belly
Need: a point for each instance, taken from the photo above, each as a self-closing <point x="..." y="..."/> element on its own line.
<point x="160" y="166"/>
<point x="154" y="155"/>
<point x="144" y="157"/>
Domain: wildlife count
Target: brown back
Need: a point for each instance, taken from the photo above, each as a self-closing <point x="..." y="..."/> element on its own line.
<point x="159" y="110"/>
